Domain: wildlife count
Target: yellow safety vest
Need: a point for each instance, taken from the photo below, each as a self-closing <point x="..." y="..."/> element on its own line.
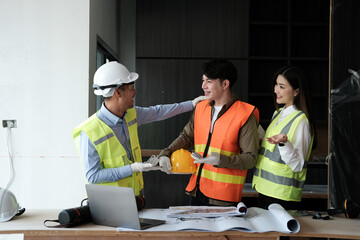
<point x="272" y="177"/>
<point x="112" y="153"/>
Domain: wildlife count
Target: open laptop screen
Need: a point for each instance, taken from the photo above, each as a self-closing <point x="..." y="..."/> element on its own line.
<point x="116" y="207"/>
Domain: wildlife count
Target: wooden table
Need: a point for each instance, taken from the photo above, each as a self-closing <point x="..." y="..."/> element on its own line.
<point x="31" y="225"/>
<point x="338" y="227"/>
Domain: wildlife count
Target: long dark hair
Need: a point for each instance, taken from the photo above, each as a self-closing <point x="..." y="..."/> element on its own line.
<point x="298" y="79"/>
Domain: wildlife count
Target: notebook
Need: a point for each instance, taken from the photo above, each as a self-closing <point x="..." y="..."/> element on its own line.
<point x="116" y="207"/>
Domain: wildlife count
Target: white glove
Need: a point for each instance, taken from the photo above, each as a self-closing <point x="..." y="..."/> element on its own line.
<point x="154" y="160"/>
<point x="213" y="158"/>
<point x="197" y="100"/>
<point x="165" y="164"/>
<point x="142" y="167"/>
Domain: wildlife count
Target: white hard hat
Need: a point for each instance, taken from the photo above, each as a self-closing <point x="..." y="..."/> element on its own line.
<point x="110" y="76"/>
<point x="9" y="207"/>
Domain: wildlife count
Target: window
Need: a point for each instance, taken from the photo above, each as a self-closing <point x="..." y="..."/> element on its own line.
<point x="104" y="54"/>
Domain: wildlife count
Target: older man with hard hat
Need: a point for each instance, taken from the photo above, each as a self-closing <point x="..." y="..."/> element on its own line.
<point x="108" y="141"/>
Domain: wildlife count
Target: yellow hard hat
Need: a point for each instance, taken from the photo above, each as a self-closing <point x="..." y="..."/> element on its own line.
<point x="182" y="162"/>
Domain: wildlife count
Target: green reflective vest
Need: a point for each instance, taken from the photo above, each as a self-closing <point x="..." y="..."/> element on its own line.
<point x="112" y="153"/>
<point x="272" y="177"/>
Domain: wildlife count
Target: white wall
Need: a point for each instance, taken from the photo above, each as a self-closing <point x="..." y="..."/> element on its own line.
<point x="47" y="60"/>
<point x="44" y="76"/>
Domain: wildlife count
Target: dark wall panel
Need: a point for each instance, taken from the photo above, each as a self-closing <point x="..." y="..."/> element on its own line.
<point x="346" y="39"/>
<point x="192" y="29"/>
<point x="163" y="190"/>
<point x="163" y="29"/>
<point x="219" y="28"/>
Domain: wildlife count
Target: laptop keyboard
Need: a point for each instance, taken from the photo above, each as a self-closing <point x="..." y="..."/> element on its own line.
<point x="147" y="223"/>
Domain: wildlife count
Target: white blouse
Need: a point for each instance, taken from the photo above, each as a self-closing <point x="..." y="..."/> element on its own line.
<point x="294" y="153"/>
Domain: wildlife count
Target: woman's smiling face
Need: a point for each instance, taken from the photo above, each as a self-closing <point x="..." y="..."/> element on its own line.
<point x="285" y="94"/>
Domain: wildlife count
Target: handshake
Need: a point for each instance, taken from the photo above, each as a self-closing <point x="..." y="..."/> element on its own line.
<point x="163" y="163"/>
<point x="153" y="163"/>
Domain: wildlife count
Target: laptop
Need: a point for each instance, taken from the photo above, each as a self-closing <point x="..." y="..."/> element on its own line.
<point x="116" y="207"/>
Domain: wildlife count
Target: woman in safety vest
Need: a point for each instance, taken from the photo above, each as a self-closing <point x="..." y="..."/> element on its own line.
<point x="281" y="168"/>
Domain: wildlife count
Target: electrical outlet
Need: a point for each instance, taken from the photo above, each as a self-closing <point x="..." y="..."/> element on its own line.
<point x="9" y="123"/>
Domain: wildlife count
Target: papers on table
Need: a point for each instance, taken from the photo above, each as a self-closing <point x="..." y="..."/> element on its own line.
<point x="206" y="211"/>
<point x="191" y="218"/>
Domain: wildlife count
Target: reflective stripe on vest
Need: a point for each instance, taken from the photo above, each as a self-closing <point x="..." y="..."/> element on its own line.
<point x="272" y="177"/>
<point x="279" y="179"/>
<point x="224" y="184"/>
<point x="112" y="154"/>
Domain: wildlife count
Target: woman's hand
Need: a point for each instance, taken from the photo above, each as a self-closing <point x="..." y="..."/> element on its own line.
<point x="276" y="139"/>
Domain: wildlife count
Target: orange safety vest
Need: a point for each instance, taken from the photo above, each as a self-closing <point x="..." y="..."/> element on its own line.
<point x="225" y="184"/>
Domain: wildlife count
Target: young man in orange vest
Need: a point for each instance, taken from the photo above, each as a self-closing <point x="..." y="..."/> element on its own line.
<point x="223" y="132"/>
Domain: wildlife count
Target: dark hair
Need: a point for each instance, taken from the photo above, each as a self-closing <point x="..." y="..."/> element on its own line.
<point x="222" y="69"/>
<point x="298" y="79"/>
